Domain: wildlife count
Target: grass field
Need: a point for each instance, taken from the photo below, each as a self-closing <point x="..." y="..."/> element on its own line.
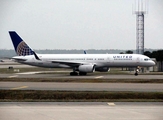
<point x="79" y="96"/>
<point x="81" y="80"/>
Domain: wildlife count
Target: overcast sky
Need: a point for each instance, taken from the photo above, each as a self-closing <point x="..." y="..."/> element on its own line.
<point x="79" y="24"/>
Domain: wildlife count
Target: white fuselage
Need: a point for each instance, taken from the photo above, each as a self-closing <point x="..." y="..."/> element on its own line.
<point x="100" y="60"/>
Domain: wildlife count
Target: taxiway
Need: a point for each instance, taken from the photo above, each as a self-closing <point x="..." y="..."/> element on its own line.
<point x="59" y="74"/>
<point x="80" y="111"/>
<point x="144" y="87"/>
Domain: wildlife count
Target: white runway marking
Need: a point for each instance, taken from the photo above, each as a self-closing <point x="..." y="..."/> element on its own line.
<point x="26" y="73"/>
<point x="111" y="104"/>
<point x="99" y="77"/>
<point x="13" y="76"/>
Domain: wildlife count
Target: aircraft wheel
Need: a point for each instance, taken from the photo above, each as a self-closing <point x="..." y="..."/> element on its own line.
<point x="82" y="73"/>
<point x="137" y="71"/>
<point x="136" y="74"/>
<point x="73" y="73"/>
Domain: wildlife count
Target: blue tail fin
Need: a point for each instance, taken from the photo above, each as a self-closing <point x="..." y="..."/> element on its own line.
<point x="21" y="48"/>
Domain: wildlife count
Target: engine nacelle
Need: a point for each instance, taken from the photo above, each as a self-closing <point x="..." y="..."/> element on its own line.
<point x="86" y="68"/>
<point x="102" y="69"/>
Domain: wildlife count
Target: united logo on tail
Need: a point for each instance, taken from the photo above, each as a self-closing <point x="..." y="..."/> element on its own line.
<point x="21" y="48"/>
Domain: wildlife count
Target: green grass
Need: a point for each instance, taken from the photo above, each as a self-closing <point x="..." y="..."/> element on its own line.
<point x="81" y="96"/>
<point x="81" y="80"/>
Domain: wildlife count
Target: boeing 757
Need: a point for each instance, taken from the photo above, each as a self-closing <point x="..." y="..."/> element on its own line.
<point x="81" y="64"/>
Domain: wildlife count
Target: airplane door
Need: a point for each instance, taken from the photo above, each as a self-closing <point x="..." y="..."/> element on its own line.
<point x="108" y="60"/>
<point x="138" y="60"/>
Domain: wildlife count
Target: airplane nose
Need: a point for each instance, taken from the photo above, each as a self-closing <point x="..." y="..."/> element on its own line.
<point x="153" y="63"/>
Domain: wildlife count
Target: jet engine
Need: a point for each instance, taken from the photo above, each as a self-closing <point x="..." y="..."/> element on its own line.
<point x="102" y="69"/>
<point x="86" y="68"/>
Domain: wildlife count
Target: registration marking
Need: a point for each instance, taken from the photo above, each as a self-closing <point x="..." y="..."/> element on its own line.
<point x="21" y="87"/>
<point x="99" y="77"/>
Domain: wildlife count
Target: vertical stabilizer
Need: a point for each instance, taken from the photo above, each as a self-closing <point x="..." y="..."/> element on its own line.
<point x="21" y="48"/>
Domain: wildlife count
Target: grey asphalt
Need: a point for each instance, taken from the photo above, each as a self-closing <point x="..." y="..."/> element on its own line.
<point x="80" y="111"/>
<point x="89" y="76"/>
<point x="82" y="86"/>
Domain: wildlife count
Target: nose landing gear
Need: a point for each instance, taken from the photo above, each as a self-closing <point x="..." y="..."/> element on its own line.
<point x="137" y="71"/>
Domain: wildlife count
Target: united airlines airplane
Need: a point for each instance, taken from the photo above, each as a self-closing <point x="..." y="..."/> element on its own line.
<point x="80" y="63"/>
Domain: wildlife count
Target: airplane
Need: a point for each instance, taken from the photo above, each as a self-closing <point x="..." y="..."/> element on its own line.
<point x="81" y="64"/>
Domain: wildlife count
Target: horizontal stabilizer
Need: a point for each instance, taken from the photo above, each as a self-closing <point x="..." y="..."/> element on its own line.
<point x="19" y="59"/>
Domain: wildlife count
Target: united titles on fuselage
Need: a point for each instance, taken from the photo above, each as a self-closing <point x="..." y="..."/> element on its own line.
<point x="123" y="57"/>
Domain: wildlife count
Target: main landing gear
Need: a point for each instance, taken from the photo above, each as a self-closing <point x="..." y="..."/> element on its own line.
<point x="73" y="73"/>
<point x="76" y="73"/>
<point x="82" y="73"/>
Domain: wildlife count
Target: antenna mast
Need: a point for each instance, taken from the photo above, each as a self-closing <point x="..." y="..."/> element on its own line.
<point x="140" y="10"/>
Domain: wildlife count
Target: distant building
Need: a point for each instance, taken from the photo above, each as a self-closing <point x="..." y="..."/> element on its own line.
<point x="159" y="67"/>
<point x="156" y="68"/>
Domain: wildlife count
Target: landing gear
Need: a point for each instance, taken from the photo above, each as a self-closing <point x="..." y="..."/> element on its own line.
<point x="73" y="73"/>
<point x="136" y="74"/>
<point x="82" y="73"/>
<point x="137" y="71"/>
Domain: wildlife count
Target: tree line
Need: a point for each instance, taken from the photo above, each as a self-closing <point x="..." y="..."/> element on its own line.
<point x="156" y="54"/>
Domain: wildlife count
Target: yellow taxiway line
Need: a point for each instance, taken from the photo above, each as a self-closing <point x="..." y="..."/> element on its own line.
<point x="21" y="87"/>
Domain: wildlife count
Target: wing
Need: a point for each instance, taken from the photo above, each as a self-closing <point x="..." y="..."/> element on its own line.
<point x="69" y="63"/>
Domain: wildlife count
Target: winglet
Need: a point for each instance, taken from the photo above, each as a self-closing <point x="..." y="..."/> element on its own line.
<point x="85" y="52"/>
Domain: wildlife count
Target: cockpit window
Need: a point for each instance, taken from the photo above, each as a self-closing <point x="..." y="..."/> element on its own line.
<point x="146" y="59"/>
